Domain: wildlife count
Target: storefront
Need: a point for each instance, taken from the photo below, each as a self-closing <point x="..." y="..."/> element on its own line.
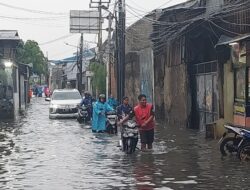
<point x="241" y="68"/>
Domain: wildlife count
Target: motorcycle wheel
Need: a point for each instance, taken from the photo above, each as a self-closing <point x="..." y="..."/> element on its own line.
<point x="79" y="119"/>
<point x="244" y="152"/>
<point x="130" y="148"/>
<point x="228" y="144"/>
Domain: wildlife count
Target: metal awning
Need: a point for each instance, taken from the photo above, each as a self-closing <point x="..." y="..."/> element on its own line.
<point x="226" y="40"/>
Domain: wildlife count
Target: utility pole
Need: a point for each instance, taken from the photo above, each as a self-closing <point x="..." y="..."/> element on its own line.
<point x="98" y="5"/>
<point x="108" y="58"/>
<point x="100" y="31"/>
<point x="80" y="65"/>
<point x="121" y="51"/>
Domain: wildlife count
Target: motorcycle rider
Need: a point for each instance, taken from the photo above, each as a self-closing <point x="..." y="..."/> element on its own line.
<point x="144" y="115"/>
<point x="122" y="111"/>
<point x="87" y="101"/>
<point x="100" y="108"/>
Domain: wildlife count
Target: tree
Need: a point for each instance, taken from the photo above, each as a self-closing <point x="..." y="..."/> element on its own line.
<point x="30" y="52"/>
<point x="99" y="78"/>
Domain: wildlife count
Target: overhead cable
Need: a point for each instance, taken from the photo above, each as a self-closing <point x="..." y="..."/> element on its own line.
<point x="30" y="10"/>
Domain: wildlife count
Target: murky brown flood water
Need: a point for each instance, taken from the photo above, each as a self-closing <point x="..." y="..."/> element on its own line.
<point x="37" y="153"/>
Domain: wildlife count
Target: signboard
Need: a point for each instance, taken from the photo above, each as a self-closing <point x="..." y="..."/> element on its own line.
<point x="239" y="53"/>
<point x="84" y="21"/>
<point x="89" y="74"/>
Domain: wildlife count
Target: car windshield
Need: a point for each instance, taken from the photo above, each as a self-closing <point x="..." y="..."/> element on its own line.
<point x="66" y="96"/>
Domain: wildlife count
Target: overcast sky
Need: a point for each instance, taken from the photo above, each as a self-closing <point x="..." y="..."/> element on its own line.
<point x="47" y="20"/>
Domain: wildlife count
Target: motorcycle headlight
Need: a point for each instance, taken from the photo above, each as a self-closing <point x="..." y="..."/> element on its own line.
<point x="131" y="125"/>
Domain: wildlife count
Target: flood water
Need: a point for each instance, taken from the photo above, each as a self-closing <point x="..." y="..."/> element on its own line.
<point x="37" y="153"/>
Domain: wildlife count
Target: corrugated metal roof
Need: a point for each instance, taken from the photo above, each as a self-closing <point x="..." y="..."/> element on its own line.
<point x="87" y="54"/>
<point x="9" y="35"/>
<point x="225" y="40"/>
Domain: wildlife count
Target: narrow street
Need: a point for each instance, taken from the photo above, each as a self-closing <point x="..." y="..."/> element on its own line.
<point x="38" y="153"/>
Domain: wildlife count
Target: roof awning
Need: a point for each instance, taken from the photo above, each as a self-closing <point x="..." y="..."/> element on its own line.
<point x="226" y="40"/>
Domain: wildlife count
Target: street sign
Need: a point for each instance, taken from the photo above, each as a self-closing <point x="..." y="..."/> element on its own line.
<point x="84" y="21"/>
<point x="89" y="74"/>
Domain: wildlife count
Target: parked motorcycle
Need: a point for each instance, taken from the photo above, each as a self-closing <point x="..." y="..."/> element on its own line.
<point x="111" y="125"/>
<point x="244" y="146"/>
<point x="83" y="114"/>
<point x="129" y="136"/>
<point x="231" y="139"/>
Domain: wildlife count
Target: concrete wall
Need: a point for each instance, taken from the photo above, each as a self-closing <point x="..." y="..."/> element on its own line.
<point x="228" y="89"/>
<point x="139" y="74"/>
<point x="175" y="95"/>
<point x="137" y="35"/>
<point x="132" y="77"/>
<point x="147" y="73"/>
<point x="159" y="75"/>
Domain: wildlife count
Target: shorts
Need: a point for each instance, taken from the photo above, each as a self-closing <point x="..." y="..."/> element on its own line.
<point x="147" y="137"/>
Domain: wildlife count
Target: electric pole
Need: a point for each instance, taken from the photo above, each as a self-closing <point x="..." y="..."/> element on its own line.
<point x="98" y="5"/>
<point x="121" y="50"/>
<point x="108" y="58"/>
<point x="80" y="65"/>
<point x="100" y="32"/>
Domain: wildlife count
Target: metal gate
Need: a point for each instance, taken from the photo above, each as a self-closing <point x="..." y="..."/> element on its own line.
<point x="206" y="93"/>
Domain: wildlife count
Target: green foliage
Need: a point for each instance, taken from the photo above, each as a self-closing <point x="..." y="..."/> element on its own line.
<point x="99" y="78"/>
<point x="30" y="52"/>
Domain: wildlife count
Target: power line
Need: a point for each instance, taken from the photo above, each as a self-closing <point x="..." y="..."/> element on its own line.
<point x="37" y="18"/>
<point x="33" y="23"/>
<point x="30" y="10"/>
<point x="57" y="39"/>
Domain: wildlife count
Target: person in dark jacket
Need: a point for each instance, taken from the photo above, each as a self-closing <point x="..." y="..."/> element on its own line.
<point x="124" y="109"/>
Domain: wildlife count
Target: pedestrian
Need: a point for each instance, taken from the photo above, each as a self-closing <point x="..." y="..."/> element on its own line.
<point x="112" y="101"/>
<point x="144" y="116"/>
<point x="100" y="108"/>
<point x="29" y="95"/>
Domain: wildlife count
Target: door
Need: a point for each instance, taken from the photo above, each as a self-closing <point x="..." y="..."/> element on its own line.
<point x="206" y="94"/>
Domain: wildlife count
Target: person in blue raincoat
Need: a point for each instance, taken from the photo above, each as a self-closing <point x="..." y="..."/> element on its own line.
<point x="112" y="101"/>
<point x="100" y="108"/>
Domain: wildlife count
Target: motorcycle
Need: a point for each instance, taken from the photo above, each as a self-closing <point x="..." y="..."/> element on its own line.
<point x="244" y="146"/>
<point x="129" y="136"/>
<point x="231" y="139"/>
<point x="111" y="124"/>
<point x="83" y="114"/>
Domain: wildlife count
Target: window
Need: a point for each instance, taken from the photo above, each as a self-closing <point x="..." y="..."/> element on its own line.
<point x="66" y="96"/>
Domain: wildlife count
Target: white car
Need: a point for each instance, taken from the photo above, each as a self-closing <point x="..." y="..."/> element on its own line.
<point x="64" y="103"/>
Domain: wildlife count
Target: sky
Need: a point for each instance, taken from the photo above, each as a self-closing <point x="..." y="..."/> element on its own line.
<point x="47" y="21"/>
